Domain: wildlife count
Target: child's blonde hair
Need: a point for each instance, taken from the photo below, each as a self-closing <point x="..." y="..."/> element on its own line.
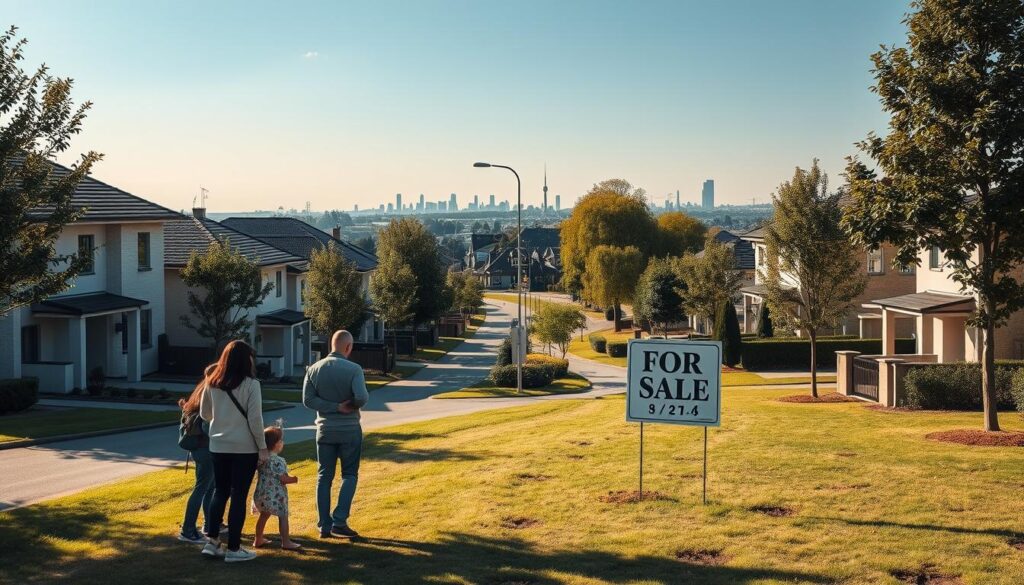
<point x="273" y="434"/>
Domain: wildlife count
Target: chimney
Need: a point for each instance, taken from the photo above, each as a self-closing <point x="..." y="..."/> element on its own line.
<point x="199" y="212"/>
<point x="336" y="232"/>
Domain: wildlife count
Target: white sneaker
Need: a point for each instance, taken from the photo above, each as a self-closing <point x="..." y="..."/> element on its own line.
<point x="194" y="538"/>
<point x="238" y="556"/>
<point x="212" y="549"/>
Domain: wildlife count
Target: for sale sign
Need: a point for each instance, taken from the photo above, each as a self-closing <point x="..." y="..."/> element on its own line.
<point x="674" y="381"/>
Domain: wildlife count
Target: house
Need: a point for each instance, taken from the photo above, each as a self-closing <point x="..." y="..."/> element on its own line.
<point x="110" y="318"/>
<point x="300" y="239"/>
<point x="743" y="253"/>
<point x="281" y="332"/>
<point x="866" y="320"/>
<point x="480" y="247"/>
<point x="500" y="270"/>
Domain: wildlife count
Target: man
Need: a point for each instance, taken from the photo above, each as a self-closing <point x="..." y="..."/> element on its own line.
<point x="336" y="388"/>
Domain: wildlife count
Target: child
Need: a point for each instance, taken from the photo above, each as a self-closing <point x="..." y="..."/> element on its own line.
<point x="271" y="495"/>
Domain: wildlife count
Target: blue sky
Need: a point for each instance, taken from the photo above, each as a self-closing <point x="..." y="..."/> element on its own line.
<point x="338" y="103"/>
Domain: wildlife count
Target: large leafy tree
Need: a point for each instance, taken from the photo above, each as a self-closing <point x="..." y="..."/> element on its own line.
<point x="333" y="297"/>
<point x="393" y="290"/>
<point x="612" y="213"/>
<point x="611" y="276"/>
<point x="37" y="120"/>
<point x="658" y="299"/>
<point x="953" y="159"/>
<point x="224" y="286"/>
<point x="555" y="323"/>
<point x="711" y="278"/>
<point x="679" y="233"/>
<point x="406" y="241"/>
<point x="814" y="271"/>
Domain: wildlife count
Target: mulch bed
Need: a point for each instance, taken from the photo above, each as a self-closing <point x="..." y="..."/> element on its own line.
<point x="703" y="557"/>
<point x="978" y="438"/>
<point x="518" y="522"/>
<point x="829" y="398"/>
<point x="773" y="511"/>
<point x="926" y="575"/>
<point x="632" y="496"/>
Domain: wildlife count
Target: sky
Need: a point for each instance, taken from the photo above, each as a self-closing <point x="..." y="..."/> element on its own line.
<point x="339" y="103"/>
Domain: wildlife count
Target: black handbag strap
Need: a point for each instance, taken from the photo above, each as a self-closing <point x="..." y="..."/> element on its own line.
<point x="231" y="395"/>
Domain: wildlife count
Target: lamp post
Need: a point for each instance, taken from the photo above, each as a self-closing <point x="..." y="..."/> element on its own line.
<point x="519" y="272"/>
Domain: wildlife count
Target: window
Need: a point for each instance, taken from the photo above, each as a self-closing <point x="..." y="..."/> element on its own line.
<point x="906" y="268"/>
<point x="144" y="255"/>
<point x="935" y="258"/>
<point x="146" y="327"/>
<point x="302" y="291"/>
<point x="30" y="344"/>
<point x="760" y="256"/>
<point x="875" y="262"/>
<point x="86" y="250"/>
<point x="277" y="283"/>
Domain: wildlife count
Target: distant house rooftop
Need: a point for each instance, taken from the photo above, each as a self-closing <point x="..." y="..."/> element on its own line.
<point x="299" y="238"/>
<point x="183" y="236"/>
<point x="742" y="250"/>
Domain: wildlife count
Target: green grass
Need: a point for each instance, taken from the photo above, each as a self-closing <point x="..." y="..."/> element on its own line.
<point x="40" y="423"/>
<point x="571" y="384"/>
<point x="438" y="502"/>
<point x="446" y="344"/>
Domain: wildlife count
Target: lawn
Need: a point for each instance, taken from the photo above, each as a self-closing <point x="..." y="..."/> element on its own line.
<point x="39" y="423"/>
<point x="571" y="384"/>
<point x="799" y="493"/>
<point x="446" y="344"/>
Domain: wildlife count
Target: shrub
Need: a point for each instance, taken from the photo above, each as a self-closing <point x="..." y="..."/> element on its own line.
<point x="163" y="394"/>
<point x="616" y="348"/>
<point x="559" y="367"/>
<point x="131" y="392"/>
<point x="779" y="353"/>
<point x="534" y="375"/>
<point x="505" y="352"/>
<point x="114" y="392"/>
<point x="598" y="343"/>
<point x="95" y="381"/>
<point x="18" y="394"/>
<point x="765" y="327"/>
<point x="727" y="331"/>
<point x="609" y="314"/>
<point x="1017" y="389"/>
<point x="957" y="386"/>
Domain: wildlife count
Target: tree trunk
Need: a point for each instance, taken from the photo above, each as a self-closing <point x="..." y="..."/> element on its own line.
<point x="813" y="335"/>
<point x="988" y="373"/>
<point x="616" y="316"/>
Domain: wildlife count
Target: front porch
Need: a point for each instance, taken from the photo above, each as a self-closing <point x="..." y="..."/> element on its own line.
<point x="284" y="342"/>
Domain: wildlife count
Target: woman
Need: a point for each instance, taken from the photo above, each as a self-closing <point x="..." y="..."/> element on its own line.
<point x="202" y="492"/>
<point x="233" y="405"/>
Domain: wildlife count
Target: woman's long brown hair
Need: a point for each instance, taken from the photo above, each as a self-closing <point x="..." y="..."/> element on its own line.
<point x="236" y="363"/>
<point x="190" y="405"/>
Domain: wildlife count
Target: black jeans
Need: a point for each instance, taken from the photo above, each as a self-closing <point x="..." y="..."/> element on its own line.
<point x="232" y="478"/>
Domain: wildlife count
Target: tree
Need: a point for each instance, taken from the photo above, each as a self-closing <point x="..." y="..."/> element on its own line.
<point x="229" y="285"/>
<point x="333" y="298"/>
<point x="555" y="323"/>
<point x="40" y="119"/>
<point x="765" y="327"/>
<point x="612" y="213"/>
<point x="657" y="300"/>
<point x="814" y="271"/>
<point x="367" y="244"/>
<point x="679" y="233"/>
<point x="952" y="159"/>
<point x="611" y="276"/>
<point x="711" y="278"/>
<point x="467" y="295"/>
<point x="406" y="241"/>
<point x="727" y="330"/>
<point x="393" y="290"/>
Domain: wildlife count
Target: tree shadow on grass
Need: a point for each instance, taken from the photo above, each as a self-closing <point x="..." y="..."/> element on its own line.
<point x="1002" y="533"/>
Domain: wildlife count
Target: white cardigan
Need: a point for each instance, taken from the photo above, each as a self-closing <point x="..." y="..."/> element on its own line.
<point x="229" y="430"/>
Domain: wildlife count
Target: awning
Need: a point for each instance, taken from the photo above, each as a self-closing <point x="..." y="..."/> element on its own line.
<point x="927" y="302"/>
<point x="282" y="318"/>
<point x="88" y="304"/>
<point x="757" y="290"/>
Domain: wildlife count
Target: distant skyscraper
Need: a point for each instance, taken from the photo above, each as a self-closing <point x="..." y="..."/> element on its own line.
<point x="545" y="208"/>
<point x="442" y="206"/>
<point x="398" y="202"/>
<point x="492" y="201"/>
<point x="707" y="194"/>
<point x="453" y="203"/>
<point x="391" y="208"/>
<point x="677" y="199"/>
<point x="422" y="201"/>
<point x="476" y="202"/>
<point x="558" y="203"/>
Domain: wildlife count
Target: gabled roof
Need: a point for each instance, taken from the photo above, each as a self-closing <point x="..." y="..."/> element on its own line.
<point x="500" y="263"/>
<point x="182" y="236"/>
<point x="299" y="238"/>
<point x="477" y="241"/>
<point x="742" y="250"/>
<point x="541" y="237"/>
<point x="105" y="203"/>
<point x="756" y="234"/>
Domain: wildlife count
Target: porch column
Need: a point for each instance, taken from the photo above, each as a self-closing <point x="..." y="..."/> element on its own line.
<point x="925" y="334"/>
<point x="307" y="343"/>
<point x="888" y="332"/>
<point x="10" y="345"/>
<point x="133" y="373"/>
<point x="76" y="350"/>
<point x="746" y="315"/>
<point x="288" y="355"/>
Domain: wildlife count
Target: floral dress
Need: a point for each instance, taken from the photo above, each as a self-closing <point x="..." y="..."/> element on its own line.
<point x="271" y="496"/>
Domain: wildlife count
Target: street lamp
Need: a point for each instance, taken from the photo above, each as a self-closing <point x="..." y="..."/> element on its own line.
<point x="519" y="272"/>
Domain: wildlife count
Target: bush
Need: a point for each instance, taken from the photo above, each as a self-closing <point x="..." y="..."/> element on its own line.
<point x="957" y="386"/>
<point x="616" y="348"/>
<point x="95" y="381"/>
<point x="597" y="343"/>
<point x="18" y="394"/>
<point x="505" y="352"/>
<point x="559" y="367"/>
<point x="777" y="353"/>
<point x="114" y="392"/>
<point x="1017" y="389"/>
<point x="727" y="331"/>
<point x="131" y="392"/>
<point x="609" y="314"/>
<point x="534" y="376"/>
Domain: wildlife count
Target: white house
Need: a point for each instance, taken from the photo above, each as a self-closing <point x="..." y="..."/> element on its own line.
<point x="111" y="316"/>
<point x="281" y="331"/>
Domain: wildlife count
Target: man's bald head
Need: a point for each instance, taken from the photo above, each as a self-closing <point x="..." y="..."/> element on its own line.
<point x="341" y="342"/>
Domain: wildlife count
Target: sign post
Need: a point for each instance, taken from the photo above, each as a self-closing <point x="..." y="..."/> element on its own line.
<point x="674" y="381"/>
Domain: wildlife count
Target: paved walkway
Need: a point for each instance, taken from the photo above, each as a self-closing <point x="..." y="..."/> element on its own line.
<point x="57" y="469"/>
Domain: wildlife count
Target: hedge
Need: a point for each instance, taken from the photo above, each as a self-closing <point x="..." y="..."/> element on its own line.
<point x="559" y="367"/>
<point x="598" y="343"/>
<point x="616" y="348"/>
<point x="957" y="386"/>
<point x="534" y="375"/>
<point x="1017" y="389"/>
<point x="18" y="394"/>
<point x="775" y="353"/>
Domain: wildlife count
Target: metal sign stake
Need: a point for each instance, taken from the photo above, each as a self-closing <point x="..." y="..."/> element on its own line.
<point x="705" y="466"/>
<point x="641" y="460"/>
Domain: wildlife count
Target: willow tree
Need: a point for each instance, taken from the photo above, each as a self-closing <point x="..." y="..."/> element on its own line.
<point x="953" y="158"/>
<point x="611" y="277"/>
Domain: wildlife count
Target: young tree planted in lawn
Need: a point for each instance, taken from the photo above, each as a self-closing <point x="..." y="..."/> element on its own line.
<point x="658" y="300"/>
<point x="39" y="119"/>
<point x="333" y="297"/>
<point x="727" y="330"/>
<point x="393" y="289"/>
<point x="611" y="277"/>
<point x="952" y="159"/>
<point x="407" y="241"/>
<point x="223" y="286"/>
<point x="711" y="278"/>
<point x="806" y="243"/>
<point x="765" y="328"/>
<point x="555" y="323"/>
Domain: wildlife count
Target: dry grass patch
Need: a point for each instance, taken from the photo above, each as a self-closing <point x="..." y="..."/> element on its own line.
<point x="773" y="511"/>
<point x="518" y="522"/>
<point x="633" y="496"/>
<point x="702" y="556"/>
<point x="978" y="438"/>
<point x="828" y="398"/>
<point x="926" y="575"/>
